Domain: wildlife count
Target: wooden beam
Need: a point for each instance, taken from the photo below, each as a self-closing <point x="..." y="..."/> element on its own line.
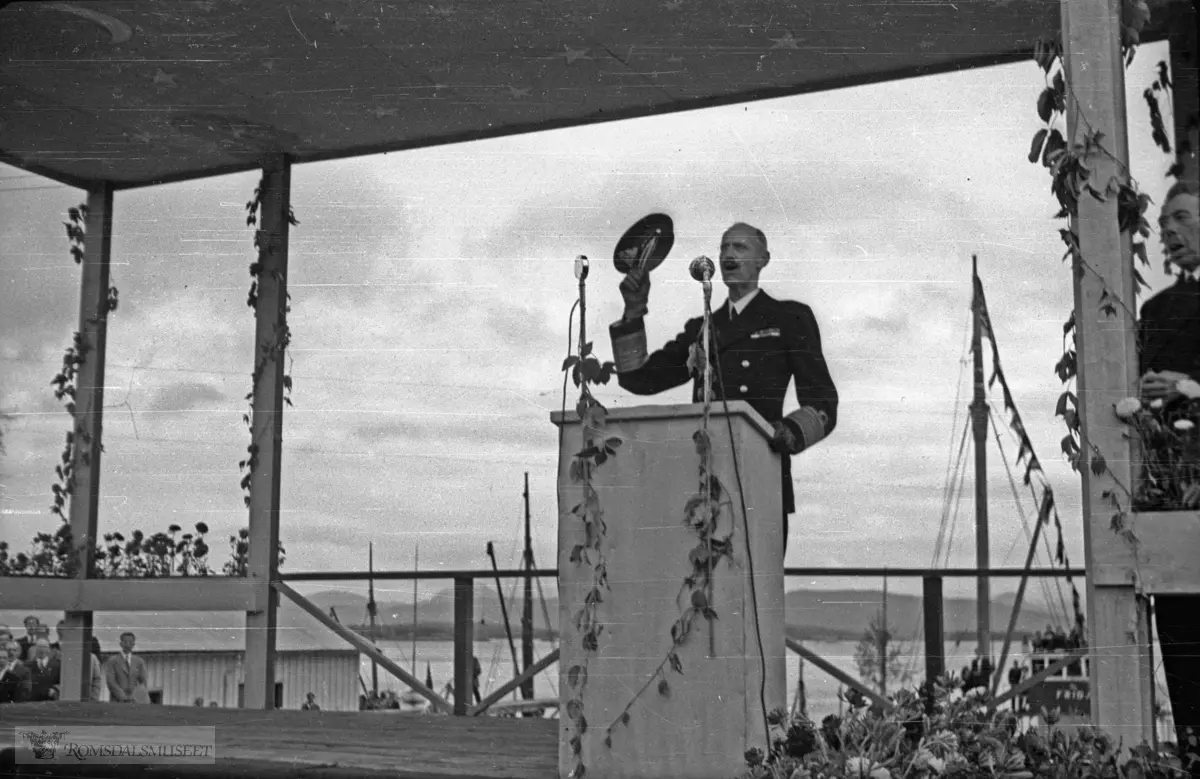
<point x="935" y="641"/>
<point x="1185" y="100"/>
<point x="266" y="432"/>
<point x="512" y="684"/>
<point x="363" y="645"/>
<point x="1163" y="562"/>
<point x="1037" y="678"/>
<point x="84" y="506"/>
<point x="1107" y="360"/>
<point x="205" y="593"/>
<point x="464" y="643"/>
<point x="839" y="674"/>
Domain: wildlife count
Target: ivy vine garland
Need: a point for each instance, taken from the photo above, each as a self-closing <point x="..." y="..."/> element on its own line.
<point x="78" y="440"/>
<point x="1068" y="165"/>
<point x="277" y="348"/>
<point x="702" y="515"/>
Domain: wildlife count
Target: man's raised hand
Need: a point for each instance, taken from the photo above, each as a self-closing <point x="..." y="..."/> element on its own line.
<point x="635" y="289"/>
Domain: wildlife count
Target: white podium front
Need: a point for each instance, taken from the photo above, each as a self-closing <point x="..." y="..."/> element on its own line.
<point x="714" y="709"/>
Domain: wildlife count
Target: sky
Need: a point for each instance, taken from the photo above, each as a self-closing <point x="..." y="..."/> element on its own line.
<point x="430" y="299"/>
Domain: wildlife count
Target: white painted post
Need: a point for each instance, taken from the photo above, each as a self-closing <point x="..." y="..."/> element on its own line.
<point x="84" y="509"/>
<point x="267" y="430"/>
<point x="1121" y="683"/>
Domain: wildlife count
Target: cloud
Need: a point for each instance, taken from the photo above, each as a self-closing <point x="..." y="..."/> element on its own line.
<point x="185" y="396"/>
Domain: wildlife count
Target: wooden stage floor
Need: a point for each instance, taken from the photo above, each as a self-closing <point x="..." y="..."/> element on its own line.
<point x="314" y="745"/>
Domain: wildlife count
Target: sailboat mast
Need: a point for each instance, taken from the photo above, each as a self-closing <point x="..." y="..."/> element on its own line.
<point x="416" y="567"/>
<point x="527" y="612"/>
<point x="979" y="416"/>
<point x="371" y="609"/>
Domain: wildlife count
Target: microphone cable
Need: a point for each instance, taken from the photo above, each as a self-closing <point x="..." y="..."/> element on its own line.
<point x="570" y="345"/>
<point x="737" y="471"/>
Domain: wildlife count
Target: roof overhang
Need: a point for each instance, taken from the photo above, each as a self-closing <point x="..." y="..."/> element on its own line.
<point x="138" y="93"/>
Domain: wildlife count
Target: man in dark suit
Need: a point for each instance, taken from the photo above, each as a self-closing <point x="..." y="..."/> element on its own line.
<point x="761" y="346"/>
<point x="45" y="673"/>
<point x="14" y="676"/>
<point x="1169" y="352"/>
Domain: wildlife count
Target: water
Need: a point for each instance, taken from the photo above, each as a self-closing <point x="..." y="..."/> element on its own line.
<point x="821" y="690"/>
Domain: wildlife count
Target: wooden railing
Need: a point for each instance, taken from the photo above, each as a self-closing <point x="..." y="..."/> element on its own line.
<point x="464" y="611"/>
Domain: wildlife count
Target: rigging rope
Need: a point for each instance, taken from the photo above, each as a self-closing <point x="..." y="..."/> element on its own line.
<point x="1025" y="523"/>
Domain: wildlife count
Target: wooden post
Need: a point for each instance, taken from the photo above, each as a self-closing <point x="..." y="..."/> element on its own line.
<point x="1185" y="99"/>
<point x="979" y="417"/>
<point x="84" y="507"/>
<point x="464" y="644"/>
<point x="267" y="428"/>
<point x="935" y="641"/>
<point x="1121" y="682"/>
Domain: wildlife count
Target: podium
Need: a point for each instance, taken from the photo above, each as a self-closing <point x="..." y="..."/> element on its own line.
<point x="714" y="710"/>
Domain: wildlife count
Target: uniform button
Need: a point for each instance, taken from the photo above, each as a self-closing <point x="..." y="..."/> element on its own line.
<point x="745" y="363"/>
<point x="743" y="389"/>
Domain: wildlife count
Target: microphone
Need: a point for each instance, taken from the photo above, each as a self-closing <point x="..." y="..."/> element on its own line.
<point x="581" y="267"/>
<point x="702" y="268"/>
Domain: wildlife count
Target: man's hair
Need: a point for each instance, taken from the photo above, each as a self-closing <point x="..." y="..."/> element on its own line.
<point x="130" y="634"/>
<point x="34" y="619"/>
<point x="758" y="234"/>
<point x="1182" y="187"/>
<point x="10" y="644"/>
<point x="42" y="642"/>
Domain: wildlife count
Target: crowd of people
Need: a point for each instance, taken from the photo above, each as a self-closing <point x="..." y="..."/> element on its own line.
<point x="31" y="666"/>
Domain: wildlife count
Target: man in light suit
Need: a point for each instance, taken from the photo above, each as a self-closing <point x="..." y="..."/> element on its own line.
<point x="126" y="674"/>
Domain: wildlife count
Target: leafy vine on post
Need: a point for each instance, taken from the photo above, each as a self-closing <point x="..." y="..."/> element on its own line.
<point x="1068" y="165"/>
<point x="78" y="440"/>
<point x="595" y="451"/>
<point x="278" y="346"/>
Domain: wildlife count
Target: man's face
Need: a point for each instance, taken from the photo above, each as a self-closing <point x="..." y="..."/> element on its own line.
<point x="13" y="650"/>
<point x="31" y="624"/>
<point x="127" y="642"/>
<point x="742" y="256"/>
<point x="1179" y="229"/>
<point x="41" y="649"/>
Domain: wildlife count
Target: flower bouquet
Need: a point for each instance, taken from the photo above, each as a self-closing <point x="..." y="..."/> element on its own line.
<point x="1168" y="437"/>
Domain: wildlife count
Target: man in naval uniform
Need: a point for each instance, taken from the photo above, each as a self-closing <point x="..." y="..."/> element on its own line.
<point x="761" y="345"/>
<point x="1169" y="352"/>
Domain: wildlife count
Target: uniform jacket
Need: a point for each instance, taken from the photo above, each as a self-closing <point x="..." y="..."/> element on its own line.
<point x="124" y="679"/>
<point x="1169" y="330"/>
<point x="42" y="680"/>
<point x="15" y="684"/>
<point x="771" y="344"/>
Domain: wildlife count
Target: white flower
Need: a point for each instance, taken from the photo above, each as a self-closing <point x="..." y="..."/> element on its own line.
<point x="879" y="772"/>
<point x="1127" y="407"/>
<point x="1156" y="403"/>
<point x="1184" y="424"/>
<point x="1188" y="388"/>
<point x="858" y="767"/>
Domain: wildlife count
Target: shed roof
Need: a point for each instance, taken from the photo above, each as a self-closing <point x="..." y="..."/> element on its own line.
<point x="139" y="93"/>
<point x="196" y="631"/>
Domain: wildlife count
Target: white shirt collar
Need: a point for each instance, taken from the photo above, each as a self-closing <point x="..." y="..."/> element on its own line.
<point x="740" y="305"/>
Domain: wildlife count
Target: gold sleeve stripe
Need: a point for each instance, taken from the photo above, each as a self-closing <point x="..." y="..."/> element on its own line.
<point x="811" y="422"/>
<point x="629" y="345"/>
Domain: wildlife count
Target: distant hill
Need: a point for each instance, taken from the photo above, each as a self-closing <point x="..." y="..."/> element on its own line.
<point x="832" y="615"/>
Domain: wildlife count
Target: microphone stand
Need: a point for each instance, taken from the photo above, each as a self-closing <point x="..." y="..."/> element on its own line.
<point x="706" y="283"/>
<point x="581" y="273"/>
